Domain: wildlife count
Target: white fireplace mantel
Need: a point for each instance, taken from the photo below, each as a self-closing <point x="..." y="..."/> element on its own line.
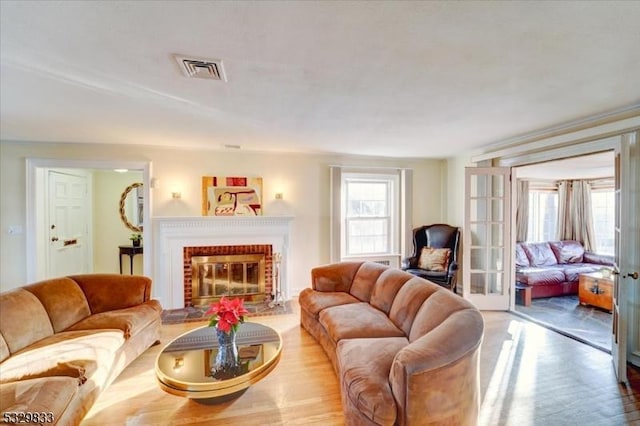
<point x="173" y="234"/>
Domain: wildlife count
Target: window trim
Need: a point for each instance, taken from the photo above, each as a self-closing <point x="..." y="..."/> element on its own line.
<point x="393" y="206"/>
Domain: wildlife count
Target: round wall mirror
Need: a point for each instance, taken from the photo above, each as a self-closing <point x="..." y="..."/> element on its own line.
<point x="131" y="207"/>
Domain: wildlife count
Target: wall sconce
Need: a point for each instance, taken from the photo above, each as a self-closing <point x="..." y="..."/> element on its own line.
<point x="279" y="196"/>
<point x="176" y="194"/>
<point x="178" y="363"/>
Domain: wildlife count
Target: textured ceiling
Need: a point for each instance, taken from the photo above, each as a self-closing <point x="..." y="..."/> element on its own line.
<point x="402" y="79"/>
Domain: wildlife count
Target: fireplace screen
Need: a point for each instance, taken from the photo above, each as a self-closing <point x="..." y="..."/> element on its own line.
<point x="228" y="275"/>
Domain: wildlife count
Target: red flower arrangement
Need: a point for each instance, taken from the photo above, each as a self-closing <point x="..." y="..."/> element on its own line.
<point x="227" y="315"/>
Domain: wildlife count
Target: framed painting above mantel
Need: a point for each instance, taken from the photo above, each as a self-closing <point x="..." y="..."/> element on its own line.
<point x="231" y="196"/>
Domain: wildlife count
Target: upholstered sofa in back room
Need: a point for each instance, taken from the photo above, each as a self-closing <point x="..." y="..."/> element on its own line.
<point x="63" y="341"/>
<point x="405" y="350"/>
<point x="553" y="268"/>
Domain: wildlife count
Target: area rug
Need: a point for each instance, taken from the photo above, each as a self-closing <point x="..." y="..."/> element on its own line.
<point x="565" y="314"/>
<point x="196" y="313"/>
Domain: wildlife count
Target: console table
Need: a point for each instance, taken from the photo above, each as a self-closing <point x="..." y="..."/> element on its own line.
<point x="130" y="251"/>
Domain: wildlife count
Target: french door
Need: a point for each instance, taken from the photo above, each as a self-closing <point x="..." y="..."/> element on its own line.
<point x="486" y="238"/>
<point x="626" y="290"/>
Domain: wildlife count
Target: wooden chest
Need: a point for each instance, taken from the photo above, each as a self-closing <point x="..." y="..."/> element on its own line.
<point x="596" y="290"/>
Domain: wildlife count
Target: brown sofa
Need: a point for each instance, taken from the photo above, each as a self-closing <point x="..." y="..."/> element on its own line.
<point x="405" y="350"/>
<point x="553" y="268"/>
<point x="64" y="340"/>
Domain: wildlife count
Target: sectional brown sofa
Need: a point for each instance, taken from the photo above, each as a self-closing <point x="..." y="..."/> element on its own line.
<point x="553" y="268"/>
<point x="405" y="350"/>
<point x="63" y="341"/>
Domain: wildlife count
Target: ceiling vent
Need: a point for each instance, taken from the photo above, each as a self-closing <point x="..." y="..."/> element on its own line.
<point x="210" y="69"/>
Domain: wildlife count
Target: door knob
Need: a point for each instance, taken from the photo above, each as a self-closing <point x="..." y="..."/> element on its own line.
<point x="633" y="275"/>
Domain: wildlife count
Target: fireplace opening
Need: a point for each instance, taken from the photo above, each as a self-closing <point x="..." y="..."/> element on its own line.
<point x="228" y="275"/>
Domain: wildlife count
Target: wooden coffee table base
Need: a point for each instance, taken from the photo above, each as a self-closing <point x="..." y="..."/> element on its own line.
<point x="523" y="295"/>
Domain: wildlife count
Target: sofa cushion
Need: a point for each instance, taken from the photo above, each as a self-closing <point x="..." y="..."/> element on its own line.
<point x="78" y="369"/>
<point x="521" y="256"/>
<point x="599" y="259"/>
<point x="334" y="278"/>
<point x="364" y="280"/>
<point x="45" y="395"/>
<point x="357" y="320"/>
<point x="23" y="319"/>
<point x="64" y="301"/>
<point x="408" y="300"/>
<point x="130" y="320"/>
<point x="386" y="287"/>
<point x="572" y="271"/>
<point x="4" y="349"/>
<point x="540" y="254"/>
<point x="110" y="292"/>
<point x="315" y="301"/>
<point x="541" y="276"/>
<point x="83" y="348"/>
<point x="567" y="251"/>
<point x="434" y="310"/>
<point x="434" y="259"/>
<point x="364" y="366"/>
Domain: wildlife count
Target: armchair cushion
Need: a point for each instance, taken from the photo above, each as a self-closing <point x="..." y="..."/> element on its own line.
<point x="434" y="259"/>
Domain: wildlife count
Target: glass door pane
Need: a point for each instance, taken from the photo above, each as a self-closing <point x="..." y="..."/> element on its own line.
<point x="487" y="251"/>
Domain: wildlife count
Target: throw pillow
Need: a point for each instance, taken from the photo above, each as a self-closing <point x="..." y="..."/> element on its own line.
<point x="434" y="259"/>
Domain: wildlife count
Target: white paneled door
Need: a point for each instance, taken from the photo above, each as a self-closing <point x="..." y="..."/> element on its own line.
<point x="68" y="224"/>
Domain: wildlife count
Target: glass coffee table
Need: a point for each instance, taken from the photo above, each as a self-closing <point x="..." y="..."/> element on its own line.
<point x="183" y="367"/>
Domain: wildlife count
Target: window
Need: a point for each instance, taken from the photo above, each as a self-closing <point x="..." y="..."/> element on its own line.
<point x="543" y="216"/>
<point x="603" y="209"/>
<point x="370" y="214"/>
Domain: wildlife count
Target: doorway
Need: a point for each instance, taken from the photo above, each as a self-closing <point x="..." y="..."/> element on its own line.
<point x="37" y="228"/>
<point x="558" y="300"/>
<point x="625" y="346"/>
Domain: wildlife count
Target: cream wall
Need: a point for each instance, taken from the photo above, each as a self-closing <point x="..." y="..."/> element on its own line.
<point x="454" y="180"/>
<point x="108" y="230"/>
<point x="302" y="178"/>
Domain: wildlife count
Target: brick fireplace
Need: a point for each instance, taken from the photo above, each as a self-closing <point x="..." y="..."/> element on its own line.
<point x="176" y="236"/>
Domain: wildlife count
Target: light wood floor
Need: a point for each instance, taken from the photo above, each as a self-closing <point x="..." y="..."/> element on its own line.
<point x="529" y="376"/>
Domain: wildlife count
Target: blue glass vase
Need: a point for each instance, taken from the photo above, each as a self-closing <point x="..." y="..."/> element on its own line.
<point x="226" y="362"/>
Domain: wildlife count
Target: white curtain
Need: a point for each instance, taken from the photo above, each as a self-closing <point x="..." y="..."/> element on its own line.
<point x="582" y="214"/>
<point x="575" y="217"/>
<point x="563" y="230"/>
<point x="522" y="210"/>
